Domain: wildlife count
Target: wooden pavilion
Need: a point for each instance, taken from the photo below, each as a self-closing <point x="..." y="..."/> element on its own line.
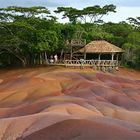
<point x="101" y="48"/>
<point x="101" y="54"/>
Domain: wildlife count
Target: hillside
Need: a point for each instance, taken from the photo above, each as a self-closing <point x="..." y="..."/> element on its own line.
<point x="69" y="104"/>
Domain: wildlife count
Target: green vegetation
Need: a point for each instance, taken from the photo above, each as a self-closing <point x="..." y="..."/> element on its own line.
<point x="28" y="36"/>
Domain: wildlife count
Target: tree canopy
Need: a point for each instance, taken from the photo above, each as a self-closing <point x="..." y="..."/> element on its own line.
<point x="29" y="35"/>
<point x="93" y="13"/>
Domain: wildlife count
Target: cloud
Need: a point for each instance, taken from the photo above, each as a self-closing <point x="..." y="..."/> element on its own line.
<point x="123" y="13"/>
<point x="119" y="3"/>
<point x="125" y="8"/>
<point x="47" y="3"/>
<point x="75" y="3"/>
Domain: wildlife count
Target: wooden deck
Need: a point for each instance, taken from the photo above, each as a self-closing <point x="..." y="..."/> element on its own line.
<point x="103" y="65"/>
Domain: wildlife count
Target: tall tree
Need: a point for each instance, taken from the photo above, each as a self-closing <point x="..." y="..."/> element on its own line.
<point x="68" y="12"/>
<point x="132" y="48"/>
<point x="92" y="13"/>
<point x="134" y="21"/>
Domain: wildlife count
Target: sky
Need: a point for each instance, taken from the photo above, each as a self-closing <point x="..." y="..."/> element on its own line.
<point x="125" y="8"/>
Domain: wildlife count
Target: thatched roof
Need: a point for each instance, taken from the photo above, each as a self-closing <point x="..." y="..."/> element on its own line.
<point x="100" y="47"/>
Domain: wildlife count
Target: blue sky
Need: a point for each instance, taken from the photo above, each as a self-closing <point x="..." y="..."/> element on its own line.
<point x="125" y="8"/>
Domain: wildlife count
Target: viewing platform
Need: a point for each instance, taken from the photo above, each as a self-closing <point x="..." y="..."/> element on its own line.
<point x="95" y="64"/>
<point x="103" y="65"/>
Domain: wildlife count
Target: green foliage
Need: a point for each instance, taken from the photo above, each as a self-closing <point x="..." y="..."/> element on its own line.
<point x="47" y="41"/>
<point x="134" y="21"/>
<point x="94" y="13"/>
<point x="68" y="12"/>
<point x="132" y="48"/>
<point x="29" y="33"/>
<point x="134" y="38"/>
<point x="25" y="11"/>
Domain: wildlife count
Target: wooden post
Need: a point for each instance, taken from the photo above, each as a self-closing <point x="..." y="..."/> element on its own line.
<point x="99" y="57"/>
<point x="117" y="57"/>
<point x="85" y="56"/>
<point x="71" y="53"/>
<point x="112" y="55"/>
<point x="85" y="53"/>
<point x="84" y="43"/>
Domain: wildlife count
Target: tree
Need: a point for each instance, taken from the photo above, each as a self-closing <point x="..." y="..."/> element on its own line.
<point x="15" y="39"/>
<point x="134" y="21"/>
<point x="132" y="47"/>
<point x="68" y="12"/>
<point x="47" y="41"/>
<point x="25" y="11"/>
<point x="120" y="31"/>
<point x="94" y="13"/>
<point x="19" y="32"/>
<point x="29" y="34"/>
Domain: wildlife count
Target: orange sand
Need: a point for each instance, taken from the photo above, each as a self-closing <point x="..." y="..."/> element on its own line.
<point x="56" y="103"/>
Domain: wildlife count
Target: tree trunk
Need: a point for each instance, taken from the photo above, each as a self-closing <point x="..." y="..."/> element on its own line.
<point x="40" y="57"/>
<point x="24" y="62"/>
<point x="61" y="54"/>
<point x="46" y="59"/>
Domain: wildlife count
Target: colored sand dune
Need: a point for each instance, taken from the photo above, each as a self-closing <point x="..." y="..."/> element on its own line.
<point x="62" y="104"/>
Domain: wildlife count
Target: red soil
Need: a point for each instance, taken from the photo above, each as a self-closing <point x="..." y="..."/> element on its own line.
<point x="60" y="104"/>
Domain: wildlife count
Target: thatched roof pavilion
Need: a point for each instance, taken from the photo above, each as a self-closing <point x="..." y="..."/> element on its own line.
<point x="101" y="47"/>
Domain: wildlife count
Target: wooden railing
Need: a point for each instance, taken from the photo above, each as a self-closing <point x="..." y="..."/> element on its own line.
<point x="76" y="42"/>
<point x="96" y="64"/>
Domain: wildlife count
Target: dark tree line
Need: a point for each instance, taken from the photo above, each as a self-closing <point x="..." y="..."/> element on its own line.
<point x="29" y="35"/>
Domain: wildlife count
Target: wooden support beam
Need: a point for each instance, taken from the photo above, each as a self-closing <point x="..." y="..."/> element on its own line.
<point x="71" y="53"/>
<point x="112" y="56"/>
<point x="85" y="55"/>
<point x="99" y="56"/>
<point x="117" y="58"/>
